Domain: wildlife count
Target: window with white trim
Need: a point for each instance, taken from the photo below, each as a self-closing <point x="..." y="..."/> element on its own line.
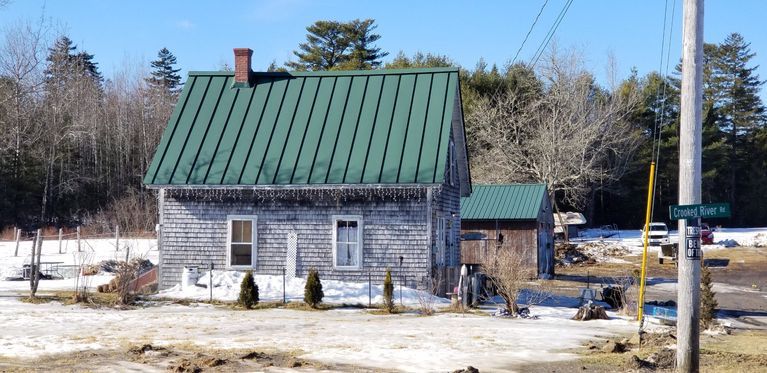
<point x="241" y="241"/>
<point x="347" y="242"/>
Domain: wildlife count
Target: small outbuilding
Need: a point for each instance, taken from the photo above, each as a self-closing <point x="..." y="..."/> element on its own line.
<point x="509" y="217"/>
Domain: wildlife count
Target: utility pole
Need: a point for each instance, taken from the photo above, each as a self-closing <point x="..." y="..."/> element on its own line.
<point x="688" y="327"/>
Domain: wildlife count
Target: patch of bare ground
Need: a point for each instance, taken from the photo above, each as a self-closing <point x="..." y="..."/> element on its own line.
<point x="177" y="358"/>
<point x="739" y="352"/>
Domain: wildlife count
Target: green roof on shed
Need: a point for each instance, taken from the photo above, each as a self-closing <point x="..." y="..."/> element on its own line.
<point x="503" y="202"/>
<point x="329" y="127"/>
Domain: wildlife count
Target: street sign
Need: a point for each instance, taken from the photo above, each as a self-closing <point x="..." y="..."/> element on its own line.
<point x="711" y="210"/>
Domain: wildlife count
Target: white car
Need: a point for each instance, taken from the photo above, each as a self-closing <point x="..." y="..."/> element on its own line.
<point x="658" y="234"/>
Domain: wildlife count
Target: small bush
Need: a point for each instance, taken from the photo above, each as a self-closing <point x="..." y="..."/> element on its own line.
<point x="388" y="292"/>
<point x="708" y="302"/>
<point x="248" y="291"/>
<point x="313" y="290"/>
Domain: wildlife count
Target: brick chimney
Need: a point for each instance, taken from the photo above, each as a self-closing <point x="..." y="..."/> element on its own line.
<point x="242" y="66"/>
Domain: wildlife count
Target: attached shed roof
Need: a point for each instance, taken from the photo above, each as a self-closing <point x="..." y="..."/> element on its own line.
<point x="302" y="128"/>
<point x="503" y="202"/>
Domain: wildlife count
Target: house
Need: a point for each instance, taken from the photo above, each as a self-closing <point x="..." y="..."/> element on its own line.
<point x="509" y="217"/>
<point x="348" y="172"/>
<point x="572" y="220"/>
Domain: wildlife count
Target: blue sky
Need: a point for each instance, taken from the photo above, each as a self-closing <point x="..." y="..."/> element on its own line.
<point x="202" y="33"/>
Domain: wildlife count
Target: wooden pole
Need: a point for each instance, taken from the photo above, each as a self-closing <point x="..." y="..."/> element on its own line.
<point x="61" y="231"/>
<point x="688" y="327"/>
<point x="78" y="239"/>
<point x="18" y="237"/>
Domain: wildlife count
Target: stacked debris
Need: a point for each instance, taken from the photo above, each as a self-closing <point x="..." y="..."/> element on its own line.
<point x="591" y="311"/>
<point x="569" y="254"/>
<point x="602" y="251"/>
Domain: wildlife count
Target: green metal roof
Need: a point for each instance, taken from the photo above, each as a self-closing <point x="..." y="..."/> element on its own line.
<point x="329" y="127"/>
<point x="503" y="202"/>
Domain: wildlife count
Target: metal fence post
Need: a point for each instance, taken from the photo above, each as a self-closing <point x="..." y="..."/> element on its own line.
<point x="284" y="299"/>
<point x="61" y="230"/>
<point x="210" y="281"/>
<point x="78" y="239"/>
<point x="117" y="238"/>
<point x="370" y="290"/>
<point x="18" y="237"/>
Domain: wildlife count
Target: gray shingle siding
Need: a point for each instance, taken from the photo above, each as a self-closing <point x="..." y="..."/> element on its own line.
<point x="194" y="230"/>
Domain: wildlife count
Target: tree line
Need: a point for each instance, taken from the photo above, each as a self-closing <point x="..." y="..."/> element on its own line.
<point x="76" y="144"/>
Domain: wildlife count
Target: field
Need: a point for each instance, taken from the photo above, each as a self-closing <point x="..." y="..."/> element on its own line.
<point x="179" y="330"/>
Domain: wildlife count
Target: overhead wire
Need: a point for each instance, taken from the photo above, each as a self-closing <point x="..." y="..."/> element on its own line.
<point x="550" y="34"/>
<point x="529" y="32"/>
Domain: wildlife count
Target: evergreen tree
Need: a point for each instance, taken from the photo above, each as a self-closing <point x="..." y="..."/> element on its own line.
<point x="248" y="291"/>
<point x="364" y="55"/>
<point x="163" y="75"/>
<point x="388" y="292"/>
<point x="313" y="290"/>
<point x="325" y="47"/>
<point x="708" y="302"/>
<point x="338" y="45"/>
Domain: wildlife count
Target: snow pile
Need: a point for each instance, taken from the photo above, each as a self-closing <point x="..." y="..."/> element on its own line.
<point x="605" y="252"/>
<point x="226" y="287"/>
<point x="760" y="240"/>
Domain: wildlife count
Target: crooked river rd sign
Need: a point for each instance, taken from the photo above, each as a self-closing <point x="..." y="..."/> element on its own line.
<point x="711" y="210"/>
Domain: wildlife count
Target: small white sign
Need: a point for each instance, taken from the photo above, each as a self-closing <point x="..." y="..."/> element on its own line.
<point x="693" y="231"/>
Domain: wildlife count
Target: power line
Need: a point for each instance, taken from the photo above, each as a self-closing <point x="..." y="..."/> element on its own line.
<point x="528" y="32"/>
<point x="550" y="34"/>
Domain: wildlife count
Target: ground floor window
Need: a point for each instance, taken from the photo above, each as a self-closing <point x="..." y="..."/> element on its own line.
<point x="241" y="241"/>
<point x="347" y="242"/>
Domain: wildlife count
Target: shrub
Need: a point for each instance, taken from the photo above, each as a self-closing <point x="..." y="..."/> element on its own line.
<point x="388" y="292"/>
<point x="313" y="290"/>
<point x="708" y="303"/>
<point x="248" y="291"/>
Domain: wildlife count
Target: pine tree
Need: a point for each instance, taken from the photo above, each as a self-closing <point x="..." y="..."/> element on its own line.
<point x="364" y="55"/>
<point x="708" y="302"/>
<point x="248" y="291"/>
<point x="163" y="75"/>
<point x="388" y="292"/>
<point x="313" y="290"/>
<point x="338" y="45"/>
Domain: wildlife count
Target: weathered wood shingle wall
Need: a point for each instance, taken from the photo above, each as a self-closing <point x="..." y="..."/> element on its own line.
<point x="194" y="231"/>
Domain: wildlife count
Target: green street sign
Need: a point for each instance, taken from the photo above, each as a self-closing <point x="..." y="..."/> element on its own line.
<point x="711" y="210"/>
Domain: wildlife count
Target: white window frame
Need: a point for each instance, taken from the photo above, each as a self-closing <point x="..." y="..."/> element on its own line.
<point x="254" y="240"/>
<point x="360" y="235"/>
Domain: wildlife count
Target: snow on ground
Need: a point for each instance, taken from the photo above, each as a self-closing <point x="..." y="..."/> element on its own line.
<point x="405" y="342"/>
<point x="226" y="287"/>
<point x="631" y="240"/>
<point x="93" y="251"/>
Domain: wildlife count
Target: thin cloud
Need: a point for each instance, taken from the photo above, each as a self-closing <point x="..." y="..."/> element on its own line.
<point x="185" y="24"/>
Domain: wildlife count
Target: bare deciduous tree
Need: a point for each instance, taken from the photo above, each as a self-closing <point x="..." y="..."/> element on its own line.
<point x="509" y="272"/>
<point x="571" y="136"/>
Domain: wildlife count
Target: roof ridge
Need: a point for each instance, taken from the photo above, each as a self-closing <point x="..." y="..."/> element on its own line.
<point x="419" y="70"/>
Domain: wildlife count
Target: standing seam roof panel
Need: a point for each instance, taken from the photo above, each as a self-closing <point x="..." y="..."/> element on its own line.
<point x="446" y="129"/>
<point x="227" y="141"/>
<point x="347" y="131"/>
<point x="162" y="147"/>
<point x="303" y="168"/>
<point x="430" y="142"/>
<point x="365" y="126"/>
<point x="181" y="132"/>
<point x="279" y="136"/>
<point x="298" y="131"/>
<point x="328" y="140"/>
<point x="377" y="147"/>
<point x="247" y="128"/>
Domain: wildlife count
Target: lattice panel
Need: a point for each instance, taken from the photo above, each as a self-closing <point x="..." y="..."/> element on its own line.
<point x="292" y="253"/>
